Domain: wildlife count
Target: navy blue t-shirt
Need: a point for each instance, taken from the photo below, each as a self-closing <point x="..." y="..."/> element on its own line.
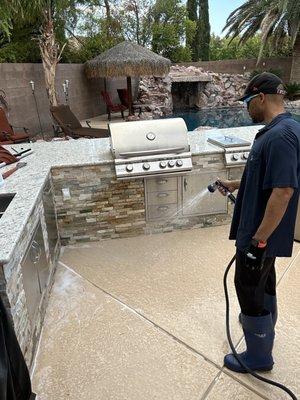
<point x="273" y="162"/>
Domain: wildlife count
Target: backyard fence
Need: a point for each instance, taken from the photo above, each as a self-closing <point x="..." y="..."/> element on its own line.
<point x="85" y="94"/>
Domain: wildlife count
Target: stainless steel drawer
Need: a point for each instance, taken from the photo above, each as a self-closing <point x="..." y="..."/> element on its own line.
<point x="162" y="211"/>
<point x="162" y="197"/>
<point x="161" y="183"/>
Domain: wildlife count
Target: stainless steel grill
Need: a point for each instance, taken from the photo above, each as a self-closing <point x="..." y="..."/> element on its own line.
<point x="236" y="150"/>
<point x="148" y="148"/>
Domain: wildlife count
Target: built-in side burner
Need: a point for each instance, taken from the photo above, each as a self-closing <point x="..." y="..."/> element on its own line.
<point x="227" y="141"/>
<point x="236" y="149"/>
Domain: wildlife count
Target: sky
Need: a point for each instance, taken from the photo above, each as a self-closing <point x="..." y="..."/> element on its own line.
<point x="219" y="11"/>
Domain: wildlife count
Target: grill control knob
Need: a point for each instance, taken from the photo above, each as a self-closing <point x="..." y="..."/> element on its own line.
<point x="129" y="168"/>
<point x="235" y="157"/>
<point x="146" y="166"/>
<point x="245" y="156"/>
<point x="162" y="164"/>
<point x="179" y="163"/>
<point x="171" y="163"/>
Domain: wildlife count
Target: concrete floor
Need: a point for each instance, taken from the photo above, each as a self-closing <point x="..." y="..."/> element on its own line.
<point x="144" y="318"/>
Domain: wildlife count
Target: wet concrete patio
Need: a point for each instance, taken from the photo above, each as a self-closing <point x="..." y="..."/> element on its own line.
<point x="144" y="318"/>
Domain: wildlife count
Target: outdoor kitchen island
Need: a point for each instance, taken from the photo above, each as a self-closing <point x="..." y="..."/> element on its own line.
<point x="90" y="205"/>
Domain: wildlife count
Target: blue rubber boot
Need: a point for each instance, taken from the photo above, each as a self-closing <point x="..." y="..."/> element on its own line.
<point x="270" y="305"/>
<point x="259" y="337"/>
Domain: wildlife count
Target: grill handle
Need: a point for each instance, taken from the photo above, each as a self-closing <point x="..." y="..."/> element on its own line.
<point x="129" y="154"/>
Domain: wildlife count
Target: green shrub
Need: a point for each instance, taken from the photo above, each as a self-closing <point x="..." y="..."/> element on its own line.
<point x="18" y="52"/>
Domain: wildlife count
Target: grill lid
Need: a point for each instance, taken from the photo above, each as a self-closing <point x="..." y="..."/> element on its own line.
<point x="152" y="137"/>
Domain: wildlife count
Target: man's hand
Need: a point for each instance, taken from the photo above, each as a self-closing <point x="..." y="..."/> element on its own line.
<point x="230" y="185"/>
<point x="255" y="255"/>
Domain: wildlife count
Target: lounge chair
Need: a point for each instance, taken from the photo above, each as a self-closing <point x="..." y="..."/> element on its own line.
<point x="111" y="107"/>
<point x="7" y="132"/>
<point x="71" y="126"/>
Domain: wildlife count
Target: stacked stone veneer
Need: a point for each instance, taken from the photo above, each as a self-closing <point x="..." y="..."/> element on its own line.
<point x="100" y="206"/>
<point x="12" y="290"/>
<point x="103" y="208"/>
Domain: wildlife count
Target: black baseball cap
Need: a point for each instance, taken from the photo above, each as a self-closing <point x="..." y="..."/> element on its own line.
<point x="266" y="83"/>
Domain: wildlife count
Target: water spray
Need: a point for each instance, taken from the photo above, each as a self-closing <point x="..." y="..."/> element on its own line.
<point x="212" y="188"/>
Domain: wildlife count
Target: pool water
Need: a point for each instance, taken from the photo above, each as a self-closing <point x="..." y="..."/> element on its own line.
<point x="220" y="117"/>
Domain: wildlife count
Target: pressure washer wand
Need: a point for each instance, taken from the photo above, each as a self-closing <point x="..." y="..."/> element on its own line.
<point x="212" y="188"/>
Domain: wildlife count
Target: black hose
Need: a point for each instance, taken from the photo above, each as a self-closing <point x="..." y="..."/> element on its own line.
<point x="254" y="374"/>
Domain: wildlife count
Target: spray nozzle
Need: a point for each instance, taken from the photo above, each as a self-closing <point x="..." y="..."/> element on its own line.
<point x="213" y="186"/>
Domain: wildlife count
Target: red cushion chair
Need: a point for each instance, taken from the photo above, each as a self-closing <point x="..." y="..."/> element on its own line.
<point x="111" y="107"/>
<point x="7" y="133"/>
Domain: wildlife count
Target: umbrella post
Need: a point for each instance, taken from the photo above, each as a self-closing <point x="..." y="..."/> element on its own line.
<point x="129" y="89"/>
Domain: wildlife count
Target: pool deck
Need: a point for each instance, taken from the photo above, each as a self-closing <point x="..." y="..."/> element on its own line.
<point x="144" y="318"/>
<point x="101" y="121"/>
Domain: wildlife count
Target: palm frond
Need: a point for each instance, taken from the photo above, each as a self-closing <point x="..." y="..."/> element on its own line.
<point x="276" y="19"/>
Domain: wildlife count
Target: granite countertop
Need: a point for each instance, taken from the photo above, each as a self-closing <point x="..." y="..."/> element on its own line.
<point x="27" y="183"/>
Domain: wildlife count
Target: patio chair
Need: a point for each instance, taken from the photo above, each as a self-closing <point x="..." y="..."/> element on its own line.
<point x="111" y="107"/>
<point x="71" y="126"/>
<point x="7" y="132"/>
<point x="123" y="96"/>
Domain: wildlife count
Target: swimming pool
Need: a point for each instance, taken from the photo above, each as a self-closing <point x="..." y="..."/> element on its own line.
<point x="220" y="117"/>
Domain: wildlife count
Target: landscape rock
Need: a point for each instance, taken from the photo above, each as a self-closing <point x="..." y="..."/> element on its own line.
<point x="198" y="89"/>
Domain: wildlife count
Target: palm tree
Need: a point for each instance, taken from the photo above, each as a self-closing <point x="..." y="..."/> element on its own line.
<point x="276" y="19"/>
<point x="44" y="10"/>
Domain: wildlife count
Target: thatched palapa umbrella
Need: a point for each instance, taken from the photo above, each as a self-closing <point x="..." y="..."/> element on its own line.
<point x="127" y="59"/>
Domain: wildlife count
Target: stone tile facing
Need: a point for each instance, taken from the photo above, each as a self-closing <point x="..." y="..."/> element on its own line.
<point x="100" y="206"/>
<point x="96" y="348"/>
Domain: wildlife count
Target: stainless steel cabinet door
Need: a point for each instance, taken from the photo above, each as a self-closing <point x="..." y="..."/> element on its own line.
<point x="196" y="200"/>
<point x="31" y="282"/>
<point x="42" y="264"/>
<point x="50" y="218"/>
<point x="35" y="272"/>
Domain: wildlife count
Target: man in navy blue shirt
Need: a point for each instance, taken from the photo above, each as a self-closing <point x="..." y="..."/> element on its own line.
<point x="264" y="217"/>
